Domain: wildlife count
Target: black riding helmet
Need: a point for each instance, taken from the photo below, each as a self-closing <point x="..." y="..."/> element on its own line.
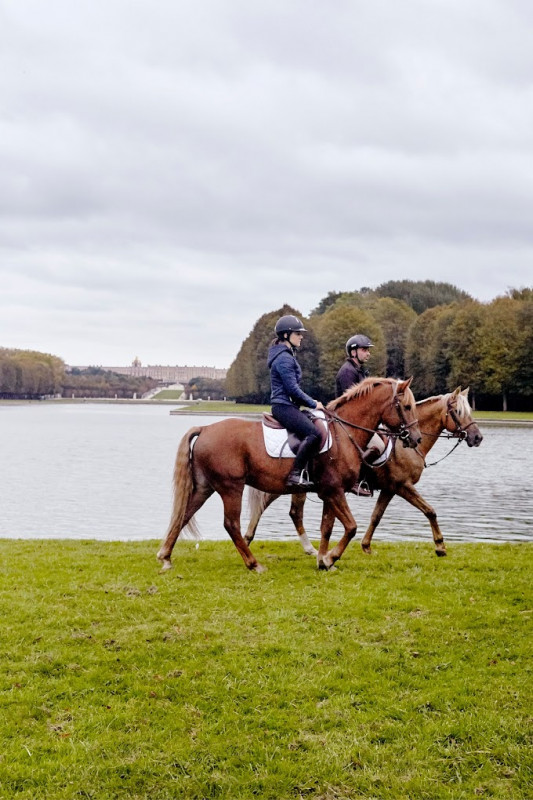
<point x="359" y="340"/>
<point x="289" y="324"/>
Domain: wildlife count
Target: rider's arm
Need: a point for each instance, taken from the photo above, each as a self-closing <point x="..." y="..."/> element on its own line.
<point x="288" y="371"/>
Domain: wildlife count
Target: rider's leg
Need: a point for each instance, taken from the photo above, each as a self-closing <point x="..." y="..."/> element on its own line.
<point x="374" y="449"/>
<point x="296" y="422"/>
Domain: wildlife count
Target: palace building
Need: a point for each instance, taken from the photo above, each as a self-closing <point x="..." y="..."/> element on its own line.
<point x="165" y="374"/>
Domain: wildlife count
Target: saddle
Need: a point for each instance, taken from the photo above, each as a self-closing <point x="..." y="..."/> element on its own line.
<point x="280" y="443"/>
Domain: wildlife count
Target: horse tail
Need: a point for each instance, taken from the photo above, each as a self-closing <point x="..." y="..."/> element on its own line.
<point x="257" y="502"/>
<point x="183" y="482"/>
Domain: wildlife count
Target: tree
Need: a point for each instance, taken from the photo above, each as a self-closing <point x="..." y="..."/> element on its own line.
<point x="28" y="373"/>
<point x="333" y="330"/>
<point x="499" y="356"/>
<point x="206" y="388"/>
<point x="464" y="346"/>
<point x="395" y="318"/>
<point x="522" y="379"/>
<point x="426" y="352"/>
<point x="421" y="295"/>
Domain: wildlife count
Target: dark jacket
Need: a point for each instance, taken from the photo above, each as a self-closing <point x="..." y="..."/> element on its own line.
<point x="349" y="374"/>
<point x="285" y="377"/>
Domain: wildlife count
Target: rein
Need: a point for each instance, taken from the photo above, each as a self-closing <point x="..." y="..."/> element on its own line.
<point x="402" y="433"/>
<point x="459" y="433"/>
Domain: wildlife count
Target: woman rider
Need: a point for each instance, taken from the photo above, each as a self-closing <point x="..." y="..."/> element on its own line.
<point x="287" y="396"/>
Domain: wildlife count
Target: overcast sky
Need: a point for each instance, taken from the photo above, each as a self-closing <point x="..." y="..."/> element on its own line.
<point x="170" y="170"/>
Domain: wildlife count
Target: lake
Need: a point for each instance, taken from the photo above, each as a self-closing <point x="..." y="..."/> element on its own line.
<point x="104" y="471"/>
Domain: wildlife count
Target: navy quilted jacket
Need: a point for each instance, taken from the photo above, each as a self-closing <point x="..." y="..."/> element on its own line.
<point x="285" y="377"/>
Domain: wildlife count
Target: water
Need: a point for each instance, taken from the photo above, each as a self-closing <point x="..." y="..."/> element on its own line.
<point x="97" y="471"/>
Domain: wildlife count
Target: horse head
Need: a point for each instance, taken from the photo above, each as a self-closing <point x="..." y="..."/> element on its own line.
<point x="459" y="420"/>
<point x="386" y="401"/>
<point x="401" y="416"/>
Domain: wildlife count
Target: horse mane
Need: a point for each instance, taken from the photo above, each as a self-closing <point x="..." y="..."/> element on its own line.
<point x="463" y="406"/>
<point x="359" y="390"/>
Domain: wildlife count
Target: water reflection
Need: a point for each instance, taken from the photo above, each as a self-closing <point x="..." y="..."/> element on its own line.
<point x="104" y="472"/>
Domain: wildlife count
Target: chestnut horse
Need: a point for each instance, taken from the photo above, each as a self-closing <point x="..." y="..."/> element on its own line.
<point x="448" y="412"/>
<point x="225" y="456"/>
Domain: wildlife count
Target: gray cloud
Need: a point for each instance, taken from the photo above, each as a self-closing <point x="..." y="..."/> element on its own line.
<point x="171" y="171"/>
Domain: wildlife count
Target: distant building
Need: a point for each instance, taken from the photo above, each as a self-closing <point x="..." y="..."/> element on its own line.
<point x="168" y="374"/>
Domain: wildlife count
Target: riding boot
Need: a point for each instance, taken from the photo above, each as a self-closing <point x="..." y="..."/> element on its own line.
<point x="297" y="476"/>
<point x="298" y="479"/>
<point x="371" y="454"/>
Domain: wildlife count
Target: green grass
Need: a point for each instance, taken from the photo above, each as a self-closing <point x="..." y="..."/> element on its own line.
<point x="504" y="415"/>
<point x="168" y="394"/>
<point x="397" y="676"/>
<point x="221" y="407"/>
<point x="225" y="407"/>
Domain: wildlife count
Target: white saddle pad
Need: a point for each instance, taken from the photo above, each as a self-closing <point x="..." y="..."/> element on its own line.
<point x="277" y="442"/>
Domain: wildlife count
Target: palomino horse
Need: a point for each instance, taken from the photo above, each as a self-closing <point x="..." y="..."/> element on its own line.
<point x="398" y="475"/>
<point x="227" y="455"/>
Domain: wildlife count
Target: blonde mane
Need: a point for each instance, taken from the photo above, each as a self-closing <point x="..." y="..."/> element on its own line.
<point x="359" y="390"/>
<point x="463" y="406"/>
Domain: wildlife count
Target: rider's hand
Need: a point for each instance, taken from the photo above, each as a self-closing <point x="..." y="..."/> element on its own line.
<point x="319" y="406"/>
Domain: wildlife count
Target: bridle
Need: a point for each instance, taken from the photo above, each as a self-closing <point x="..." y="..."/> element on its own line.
<point x="460" y="433"/>
<point x="402" y="433"/>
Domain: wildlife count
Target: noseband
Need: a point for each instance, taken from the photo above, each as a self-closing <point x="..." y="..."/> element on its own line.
<point x="403" y="430"/>
<point x="459" y="432"/>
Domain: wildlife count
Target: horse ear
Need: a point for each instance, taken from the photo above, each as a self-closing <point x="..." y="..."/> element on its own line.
<point x="456" y="392"/>
<point x="465" y="392"/>
<point x="403" y="385"/>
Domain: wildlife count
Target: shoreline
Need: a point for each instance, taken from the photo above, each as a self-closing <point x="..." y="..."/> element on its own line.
<point x="194" y="410"/>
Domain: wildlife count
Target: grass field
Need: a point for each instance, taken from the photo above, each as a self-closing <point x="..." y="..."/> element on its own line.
<point x="397" y="676"/>
<point x="168" y="394"/>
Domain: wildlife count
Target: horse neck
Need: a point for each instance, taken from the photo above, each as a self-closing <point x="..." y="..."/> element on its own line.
<point x="365" y="410"/>
<point x="430" y="421"/>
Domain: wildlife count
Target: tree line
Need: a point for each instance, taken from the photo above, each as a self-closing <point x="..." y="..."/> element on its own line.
<point x="433" y="331"/>
<point x="28" y="374"/>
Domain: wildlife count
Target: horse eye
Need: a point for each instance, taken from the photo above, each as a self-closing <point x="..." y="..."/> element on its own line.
<point x="408" y="407"/>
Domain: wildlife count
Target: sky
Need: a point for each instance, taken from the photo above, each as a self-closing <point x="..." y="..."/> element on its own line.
<point x="173" y="169"/>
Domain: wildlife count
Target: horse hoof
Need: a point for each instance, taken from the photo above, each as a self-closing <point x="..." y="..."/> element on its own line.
<point x="259" y="568"/>
<point x="166" y="565"/>
<point x="366" y="549"/>
<point x="441" y="553"/>
<point x="311" y="552"/>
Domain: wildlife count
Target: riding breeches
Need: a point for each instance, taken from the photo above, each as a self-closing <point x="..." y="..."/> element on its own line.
<point x="297" y="422"/>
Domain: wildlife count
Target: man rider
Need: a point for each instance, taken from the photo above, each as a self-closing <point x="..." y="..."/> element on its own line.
<point x="351" y="373"/>
<point x="353" y="370"/>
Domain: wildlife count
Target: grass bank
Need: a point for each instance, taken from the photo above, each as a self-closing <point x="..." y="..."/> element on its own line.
<point x="398" y="676"/>
<point x="226" y="408"/>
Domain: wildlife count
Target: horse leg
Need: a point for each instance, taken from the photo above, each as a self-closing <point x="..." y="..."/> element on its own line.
<point x="410" y="494"/>
<point x="232" y="500"/>
<point x="379" y="509"/>
<point x="326" y="526"/>
<point x="258" y="502"/>
<point x="194" y="503"/>
<point x="341" y="511"/>
<point x="297" y="515"/>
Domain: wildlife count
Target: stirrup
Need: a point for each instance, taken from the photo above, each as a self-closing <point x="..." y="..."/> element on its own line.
<point x="299" y="480"/>
<point x="362" y="489"/>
